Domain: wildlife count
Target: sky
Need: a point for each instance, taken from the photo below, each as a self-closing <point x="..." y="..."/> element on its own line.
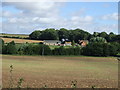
<point x="25" y="17"/>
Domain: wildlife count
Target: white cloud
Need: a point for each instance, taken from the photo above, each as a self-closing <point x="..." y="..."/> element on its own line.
<point x="113" y="16"/>
<point x="7" y="14"/>
<point x="108" y="28"/>
<point x="42" y="15"/>
<point x="30" y="14"/>
<point x="82" y="19"/>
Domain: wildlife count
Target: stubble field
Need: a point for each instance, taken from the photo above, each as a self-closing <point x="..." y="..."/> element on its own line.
<point x="59" y="71"/>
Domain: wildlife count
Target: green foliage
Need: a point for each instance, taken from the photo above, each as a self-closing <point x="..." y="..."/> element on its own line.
<point x="74" y="84"/>
<point x="98" y="39"/>
<point x="67" y="51"/>
<point x="20" y="83"/>
<point x="78" y="34"/>
<point x="45" y="86"/>
<point x="11" y="77"/>
<point x="11" y="48"/>
<point x="93" y="49"/>
<point x="93" y="87"/>
<point x="95" y="34"/>
<point x="113" y="49"/>
<point x="1" y="42"/>
<point x="117" y="45"/>
<point x="32" y="49"/>
<point x="11" y="81"/>
<point x="4" y="49"/>
<point x="97" y="46"/>
<point x="1" y="45"/>
<point x="52" y="34"/>
<point x="117" y="38"/>
<point x="100" y="49"/>
<point x="111" y="37"/>
<point x="73" y="43"/>
<point x="63" y="33"/>
<point x="21" y="49"/>
<point x="35" y="35"/>
<point x="49" y="34"/>
<point x="103" y="34"/>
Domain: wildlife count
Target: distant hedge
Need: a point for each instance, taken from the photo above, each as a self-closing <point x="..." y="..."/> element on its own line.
<point x="67" y="51"/>
<point x="92" y="49"/>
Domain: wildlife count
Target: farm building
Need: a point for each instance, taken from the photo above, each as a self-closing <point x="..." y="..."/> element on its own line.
<point x="83" y="43"/>
<point x="52" y="42"/>
<point x="66" y="42"/>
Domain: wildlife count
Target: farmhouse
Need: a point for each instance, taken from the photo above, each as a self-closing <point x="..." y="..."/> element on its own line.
<point x="83" y="43"/>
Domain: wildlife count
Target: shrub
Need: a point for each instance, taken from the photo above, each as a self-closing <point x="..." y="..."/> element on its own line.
<point x="11" y="48"/>
<point x="28" y="49"/>
<point x="99" y="49"/>
<point x="1" y="44"/>
<point x="113" y="49"/>
<point x="67" y="51"/>
<point x="93" y="49"/>
<point x="44" y="50"/>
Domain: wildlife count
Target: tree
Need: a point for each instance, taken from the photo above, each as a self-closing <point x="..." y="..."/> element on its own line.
<point x="4" y="49"/>
<point x="93" y="49"/>
<point x="63" y="33"/>
<point x="1" y="42"/>
<point x="110" y="37"/>
<point x="113" y="50"/>
<point x="98" y="39"/>
<point x="106" y="51"/>
<point x="117" y="38"/>
<point x="28" y="49"/>
<point x="95" y="34"/>
<point x="78" y="34"/>
<point x="1" y="45"/>
<point x="35" y="35"/>
<point x="103" y="34"/>
<point x="49" y="34"/>
<point x="22" y="48"/>
<point x="100" y="49"/>
<point x="11" y="48"/>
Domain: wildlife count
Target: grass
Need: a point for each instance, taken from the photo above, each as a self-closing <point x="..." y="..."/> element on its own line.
<point x="53" y="71"/>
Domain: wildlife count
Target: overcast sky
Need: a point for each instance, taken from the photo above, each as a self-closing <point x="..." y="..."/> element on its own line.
<point x="25" y="17"/>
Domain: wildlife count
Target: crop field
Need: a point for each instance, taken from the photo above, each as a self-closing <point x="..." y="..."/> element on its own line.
<point x="60" y="71"/>
<point x="15" y="35"/>
<point x="7" y="40"/>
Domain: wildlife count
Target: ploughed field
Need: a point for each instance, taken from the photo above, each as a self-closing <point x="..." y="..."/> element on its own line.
<point x="59" y="71"/>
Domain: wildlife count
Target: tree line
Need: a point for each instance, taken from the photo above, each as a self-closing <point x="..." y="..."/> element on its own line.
<point x="92" y="49"/>
<point x="76" y="34"/>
